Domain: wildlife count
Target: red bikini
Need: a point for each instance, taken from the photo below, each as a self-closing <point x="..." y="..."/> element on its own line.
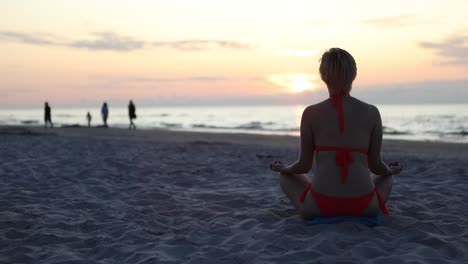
<point x="342" y="206"/>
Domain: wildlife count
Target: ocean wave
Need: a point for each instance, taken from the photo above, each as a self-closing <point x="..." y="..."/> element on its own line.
<point x="255" y="125"/>
<point x="459" y="133"/>
<point x="160" y="115"/>
<point x="288" y="129"/>
<point x="391" y="131"/>
<point x="209" y="126"/>
<point x="171" y="125"/>
<point x="71" y="126"/>
<point x="446" y="116"/>
<point x="29" y="122"/>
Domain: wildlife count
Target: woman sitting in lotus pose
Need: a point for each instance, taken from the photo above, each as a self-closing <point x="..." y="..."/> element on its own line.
<point x="345" y="135"/>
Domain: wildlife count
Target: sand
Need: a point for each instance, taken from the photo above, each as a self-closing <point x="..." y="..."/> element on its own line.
<point x="77" y="195"/>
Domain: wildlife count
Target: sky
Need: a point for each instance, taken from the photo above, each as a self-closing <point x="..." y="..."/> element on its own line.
<point x="84" y="52"/>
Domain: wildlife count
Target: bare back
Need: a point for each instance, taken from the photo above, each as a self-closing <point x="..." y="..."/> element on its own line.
<point x="322" y="125"/>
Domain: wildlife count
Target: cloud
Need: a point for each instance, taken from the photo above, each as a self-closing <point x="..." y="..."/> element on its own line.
<point x="115" y="42"/>
<point x="102" y="41"/>
<point x="109" y="41"/>
<point x="182" y="79"/>
<point x="391" y="22"/>
<point x="26" y="38"/>
<point x="423" y="92"/>
<point x="143" y="80"/>
<point x="200" y="45"/>
<point x="453" y="49"/>
<point x="427" y="92"/>
<point x="156" y="79"/>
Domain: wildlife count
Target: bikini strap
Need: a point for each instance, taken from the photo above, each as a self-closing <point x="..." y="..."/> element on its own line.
<point x="343" y="158"/>
<point x="331" y="148"/>
<point x="381" y="201"/>
<point x="304" y="193"/>
<point x="337" y="102"/>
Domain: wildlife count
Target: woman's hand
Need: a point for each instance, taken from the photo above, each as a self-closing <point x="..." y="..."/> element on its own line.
<point x="395" y="167"/>
<point x="277" y="166"/>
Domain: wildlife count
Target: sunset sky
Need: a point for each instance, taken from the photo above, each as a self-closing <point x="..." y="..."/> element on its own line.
<point x="87" y="51"/>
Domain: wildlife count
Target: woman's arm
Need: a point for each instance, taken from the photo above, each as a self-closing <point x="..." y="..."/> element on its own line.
<point x="375" y="163"/>
<point x="306" y="156"/>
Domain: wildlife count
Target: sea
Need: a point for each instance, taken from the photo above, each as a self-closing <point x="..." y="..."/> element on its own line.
<point x="422" y="122"/>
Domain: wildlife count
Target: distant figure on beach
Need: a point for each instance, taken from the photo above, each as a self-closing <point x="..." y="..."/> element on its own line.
<point x="89" y="117"/>
<point x="131" y="114"/>
<point x="104" y="113"/>
<point x="345" y="136"/>
<point x="47" y="115"/>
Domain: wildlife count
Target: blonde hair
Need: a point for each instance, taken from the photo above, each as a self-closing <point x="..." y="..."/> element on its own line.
<point x="338" y="70"/>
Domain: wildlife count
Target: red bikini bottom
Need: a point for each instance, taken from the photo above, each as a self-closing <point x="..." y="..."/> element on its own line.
<point x="343" y="206"/>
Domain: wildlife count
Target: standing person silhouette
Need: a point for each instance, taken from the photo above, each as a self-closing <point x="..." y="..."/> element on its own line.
<point x="89" y="117"/>
<point x="104" y="113"/>
<point x="131" y="114"/>
<point x="47" y="115"/>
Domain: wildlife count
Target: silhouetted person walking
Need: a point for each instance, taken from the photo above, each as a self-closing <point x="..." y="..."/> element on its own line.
<point x="89" y="117"/>
<point x="47" y="115"/>
<point x="131" y="114"/>
<point x="104" y="113"/>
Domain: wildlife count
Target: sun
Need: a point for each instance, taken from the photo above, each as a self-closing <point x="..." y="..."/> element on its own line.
<point x="295" y="82"/>
<point x="300" y="84"/>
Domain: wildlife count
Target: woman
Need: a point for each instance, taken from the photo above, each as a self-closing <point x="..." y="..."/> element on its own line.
<point x="89" y="118"/>
<point x="131" y="114"/>
<point x="345" y="135"/>
<point x="47" y="115"/>
<point x="104" y="113"/>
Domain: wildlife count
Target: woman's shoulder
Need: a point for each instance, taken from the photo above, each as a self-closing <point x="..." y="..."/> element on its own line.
<point x="367" y="110"/>
<point x="369" y="107"/>
<point x="313" y="109"/>
<point x="318" y="105"/>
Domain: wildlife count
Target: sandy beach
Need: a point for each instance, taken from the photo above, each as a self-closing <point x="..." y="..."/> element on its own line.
<point x="78" y="195"/>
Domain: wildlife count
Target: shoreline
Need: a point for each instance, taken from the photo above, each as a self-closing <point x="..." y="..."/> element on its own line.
<point x="409" y="147"/>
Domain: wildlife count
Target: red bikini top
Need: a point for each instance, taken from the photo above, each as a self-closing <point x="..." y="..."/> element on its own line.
<point x="343" y="155"/>
<point x="343" y="158"/>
